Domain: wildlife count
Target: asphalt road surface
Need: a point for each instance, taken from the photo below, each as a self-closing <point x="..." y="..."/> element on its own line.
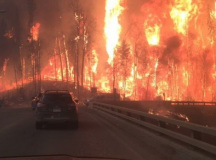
<point x="99" y="135"/>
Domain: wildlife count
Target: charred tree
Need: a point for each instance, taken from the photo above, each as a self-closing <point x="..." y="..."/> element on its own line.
<point x="17" y="34"/>
<point x="39" y="66"/>
<point x="66" y="60"/>
<point x="83" y="31"/>
<point x="60" y="57"/>
<point x="77" y="16"/>
<point x="31" y="11"/>
<point x="55" y="57"/>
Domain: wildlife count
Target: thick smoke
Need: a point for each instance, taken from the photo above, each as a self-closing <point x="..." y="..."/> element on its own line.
<point x="171" y="51"/>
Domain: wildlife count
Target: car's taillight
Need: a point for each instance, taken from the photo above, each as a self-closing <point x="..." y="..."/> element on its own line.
<point x="41" y="106"/>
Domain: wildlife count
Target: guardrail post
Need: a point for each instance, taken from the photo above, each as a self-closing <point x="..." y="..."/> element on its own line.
<point x="161" y="124"/>
<point x="91" y="105"/>
<point x="128" y="114"/>
<point x="196" y="135"/>
<point x="119" y="111"/>
<point x="142" y="118"/>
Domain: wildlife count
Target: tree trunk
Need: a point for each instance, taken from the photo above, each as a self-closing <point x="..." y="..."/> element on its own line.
<point x="77" y="68"/>
<point x="125" y="78"/>
<point x="82" y="69"/>
<point x="147" y="88"/>
<point x="114" y="77"/>
<point x="15" y="73"/>
<point x="66" y="60"/>
<point x="33" y="72"/>
<point x="60" y="58"/>
<point x="24" y="68"/>
<point x="39" y="68"/>
<point x="55" y="65"/>
<point x="21" y="63"/>
<point x="74" y="70"/>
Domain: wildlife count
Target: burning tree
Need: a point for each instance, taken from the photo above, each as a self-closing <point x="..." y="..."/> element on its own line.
<point x="92" y="61"/>
<point x="167" y="53"/>
<point x="83" y="30"/>
<point x="34" y="45"/>
<point x="124" y="59"/>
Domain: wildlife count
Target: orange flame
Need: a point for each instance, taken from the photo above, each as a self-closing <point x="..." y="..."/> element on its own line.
<point x="94" y="67"/>
<point x="53" y="70"/>
<point x="215" y="10"/>
<point x="5" y="65"/>
<point x="112" y="27"/>
<point x="181" y="12"/>
<point x="35" y="31"/>
<point x="152" y="30"/>
<point x="9" y="34"/>
<point x="174" y="72"/>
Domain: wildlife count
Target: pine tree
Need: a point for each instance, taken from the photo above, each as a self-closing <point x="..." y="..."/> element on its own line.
<point x="124" y="52"/>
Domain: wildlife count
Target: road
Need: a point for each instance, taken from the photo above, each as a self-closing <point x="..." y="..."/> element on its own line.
<point x="99" y="135"/>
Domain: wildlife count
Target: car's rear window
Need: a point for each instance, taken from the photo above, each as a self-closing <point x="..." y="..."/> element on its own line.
<point x="40" y="95"/>
<point x="56" y="98"/>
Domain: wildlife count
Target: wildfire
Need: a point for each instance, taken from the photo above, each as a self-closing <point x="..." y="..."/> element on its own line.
<point x="95" y="61"/>
<point x="9" y="34"/>
<point x="171" y="56"/>
<point x="5" y="65"/>
<point x="112" y="27"/>
<point x="215" y="11"/>
<point x="35" y="31"/>
<point x="155" y="73"/>
<point x="53" y="71"/>
<point x="152" y="30"/>
<point x="182" y="11"/>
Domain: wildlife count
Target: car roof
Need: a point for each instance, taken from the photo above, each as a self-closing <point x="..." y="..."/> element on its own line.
<point x="56" y="92"/>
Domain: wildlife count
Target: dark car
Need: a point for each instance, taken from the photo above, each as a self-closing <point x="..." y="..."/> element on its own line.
<point x="35" y="100"/>
<point x="57" y="107"/>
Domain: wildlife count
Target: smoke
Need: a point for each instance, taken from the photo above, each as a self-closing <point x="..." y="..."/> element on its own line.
<point x="171" y="51"/>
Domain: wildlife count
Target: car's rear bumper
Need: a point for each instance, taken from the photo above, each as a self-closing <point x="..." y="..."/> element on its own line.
<point x="57" y="119"/>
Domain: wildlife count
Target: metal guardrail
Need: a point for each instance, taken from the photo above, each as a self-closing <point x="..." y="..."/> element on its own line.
<point x="196" y="130"/>
<point x="188" y="103"/>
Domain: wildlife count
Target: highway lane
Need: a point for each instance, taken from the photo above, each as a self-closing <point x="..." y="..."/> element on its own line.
<point x="99" y="135"/>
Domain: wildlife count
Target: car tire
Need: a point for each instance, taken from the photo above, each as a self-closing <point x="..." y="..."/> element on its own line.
<point x="38" y="125"/>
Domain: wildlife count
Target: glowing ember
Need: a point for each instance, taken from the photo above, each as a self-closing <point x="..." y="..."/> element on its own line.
<point x="112" y="27"/>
